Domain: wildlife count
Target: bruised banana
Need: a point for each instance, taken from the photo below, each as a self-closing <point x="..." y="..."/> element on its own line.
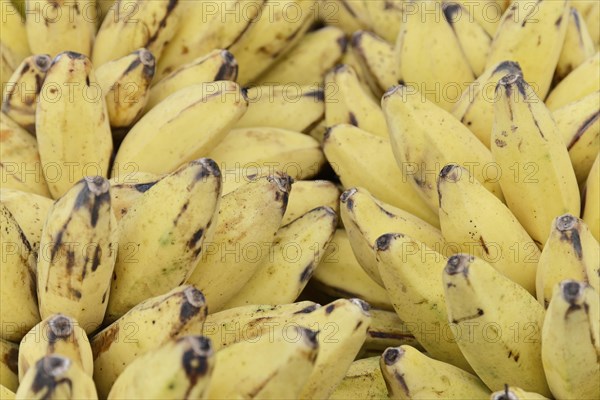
<point x="362" y="381"/>
<point x="582" y="81"/>
<point x="308" y="195"/>
<point x="376" y="58"/>
<point x="160" y="253"/>
<point x="591" y="214"/>
<point x="9" y="365"/>
<point x="577" y="47"/>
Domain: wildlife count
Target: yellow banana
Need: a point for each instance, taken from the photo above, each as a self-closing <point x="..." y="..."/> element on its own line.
<point x="487" y="13"/>
<point x="577" y="47"/>
<point x="352" y="59"/>
<point x="14" y="46"/>
<point x="9" y="365"/>
<point x="124" y="194"/>
<point x="362" y="381"/>
<point x="582" y="81"/>
<point x="385" y="18"/>
<point x="387" y="330"/>
<point x="591" y="214"/>
<point x="376" y="57"/>
<point x="515" y="393"/>
<point x="308" y="195"/>
<point x="347" y="15"/>
<point x="592" y="20"/>
<point x="6" y="393"/>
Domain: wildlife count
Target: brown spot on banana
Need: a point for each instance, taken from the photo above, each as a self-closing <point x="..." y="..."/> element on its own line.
<point x="47" y="370"/>
<point x="103" y="340"/>
<point x="195" y="360"/>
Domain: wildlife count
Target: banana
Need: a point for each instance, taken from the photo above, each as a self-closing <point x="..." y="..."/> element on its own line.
<point x="54" y="27"/>
<point x="592" y="20"/>
<point x="386" y="330"/>
<point x="352" y="59"/>
<point x="477" y="223"/>
<point x="273" y="366"/>
<point x="180" y="369"/>
<point x="125" y="84"/>
<point x="579" y="124"/>
<point x="347" y="15"/>
<point x="20" y="167"/>
<point x="571" y="252"/>
<point x="340" y="275"/>
<point x="362" y="159"/>
<point x="9" y="361"/>
<point x="77" y="254"/>
<point x="410" y="271"/>
<point x="428" y="55"/>
<point x="366" y="218"/>
<point x="475" y="108"/>
<point x="517" y="39"/>
<point x="409" y="374"/>
<point x="72" y="127"/>
<point x="308" y="195"/>
<point x="20" y="96"/>
<point x="59" y="335"/>
<point x="6" y="393"/>
<point x="515" y="393"/>
<point x="346" y="102"/>
<point x="8" y="64"/>
<point x="132" y="24"/>
<point x="149" y="145"/>
<point x="473" y="39"/>
<point x="168" y="245"/>
<point x="56" y="377"/>
<point x="421" y="144"/>
<point x="385" y="18"/>
<point x="362" y="381"/>
<point x="218" y="65"/>
<point x="577" y="47"/>
<point x="591" y="214"/>
<point x="17" y="286"/>
<point x="240" y="240"/>
<point x="497" y="324"/>
<point x="14" y="45"/>
<point x="267" y="38"/>
<point x="292" y="107"/>
<point x="570" y="341"/>
<point x="103" y="7"/>
<point x="582" y="81"/>
<point x="375" y="57"/>
<point x="487" y="13"/>
<point x="533" y="161"/>
<point x="124" y="195"/>
<point x="309" y="60"/>
<point x="297" y="249"/>
<point x="269" y="149"/>
<point x="145" y="327"/>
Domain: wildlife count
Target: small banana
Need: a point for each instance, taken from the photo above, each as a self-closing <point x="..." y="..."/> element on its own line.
<point x="14" y="46"/>
<point x="498" y="324"/>
<point x="9" y="365"/>
<point x="131" y="24"/>
<point x="387" y="330"/>
<point x="515" y="393"/>
<point x="17" y="286"/>
<point x="77" y="254"/>
<point x="366" y="218"/>
<point x="361" y="159"/>
<point x="385" y="18"/>
<point x="410" y="374"/>
<point x="376" y="57"/>
<point x="571" y="252"/>
<point x="179" y="369"/>
<point x="592" y="20"/>
<point x="532" y="158"/>
<point x="20" y="97"/>
<point x="160" y="253"/>
<point x="59" y="335"/>
<point x="308" y="195"/>
<point x="518" y="39"/>
<point x="582" y="81"/>
<point x="124" y="194"/>
<point x="570" y="341"/>
<point x="577" y="47"/>
<point x="309" y="60"/>
<point x="591" y="214"/>
<point x="149" y="145"/>
<point x="487" y="13"/>
<point x="56" y="377"/>
<point x="145" y="327"/>
<point x="362" y="381"/>
<point x="347" y="15"/>
<point x="72" y="127"/>
<point x="352" y="59"/>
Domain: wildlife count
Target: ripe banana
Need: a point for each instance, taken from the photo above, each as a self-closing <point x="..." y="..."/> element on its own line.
<point x="6" y="393"/>
<point x="577" y="47"/>
<point x="479" y="224"/>
<point x="515" y="393"/>
<point x="532" y="158"/>
<point x="14" y="46"/>
<point x="17" y="286"/>
<point x="352" y="59"/>
<point x="181" y="369"/>
<point x="218" y="65"/>
<point x="149" y="145"/>
<point x="346" y="102"/>
<point x="591" y="214"/>
<point x="53" y="27"/>
<point x="386" y="330"/>
<point x="518" y="39"/>
<point x="160" y="253"/>
<point x="385" y="18"/>
<point x="497" y="324"/>
<point x="132" y="24"/>
<point x="375" y="57"/>
<point x="309" y="60"/>
<point x="362" y="159"/>
<point x="124" y="194"/>
<point x="571" y="252"/>
<point x="292" y="107"/>
<point x="20" y="96"/>
<point x="77" y="254"/>
<point x="592" y="20"/>
<point x="487" y="13"/>
<point x="9" y="360"/>
<point x="145" y="327"/>
<point x="240" y="240"/>
<point x="59" y="335"/>
<point x="125" y="84"/>
<point x="366" y="218"/>
<point x="410" y="271"/>
<point x="56" y="377"/>
<point x="421" y="144"/>
<point x="362" y="381"/>
<point x="71" y="123"/>
<point x="570" y="341"/>
<point x="582" y="81"/>
<point x="297" y="250"/>
<point x="440" y="73"/>
<point x="347" y="15"/>
<point x="410" y="374"/>
<point x="475" y="108"/>
<point x="308" y="195"/>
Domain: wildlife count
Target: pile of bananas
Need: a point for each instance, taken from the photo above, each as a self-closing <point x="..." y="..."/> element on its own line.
<point x="184" y="183"/>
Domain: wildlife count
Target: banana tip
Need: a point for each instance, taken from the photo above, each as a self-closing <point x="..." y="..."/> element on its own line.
<point x="572" y="291"/>
<point x="566" y="222"/>
<point x="54" y="365"/>
<point x="458" y="263"/>
<point x="392" y="354"/>
<point x="97" y="184"/>
<point x="61" y="326"/>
